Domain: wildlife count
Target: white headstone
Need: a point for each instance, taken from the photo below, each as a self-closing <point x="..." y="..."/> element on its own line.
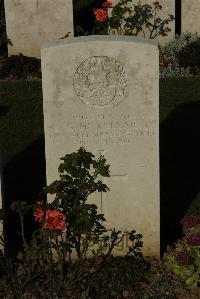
<point x="168" y="8"/>
<point x="30" y="23"/>
<point x="190" y="16"/>
<point x="102" y="92"/>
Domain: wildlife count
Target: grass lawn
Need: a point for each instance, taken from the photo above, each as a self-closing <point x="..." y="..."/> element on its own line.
<point x="22" y="148"/>
<point x="176" y="91"/>
<point x="21" y="112"/>
<point x="21" y="116"/>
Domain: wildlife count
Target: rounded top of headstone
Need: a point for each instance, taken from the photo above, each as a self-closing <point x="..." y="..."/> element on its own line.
<point x="100" y="38"/>
<point x="100" y="81"/>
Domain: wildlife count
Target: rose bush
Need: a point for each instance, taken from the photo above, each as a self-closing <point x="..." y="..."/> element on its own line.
<point x="128" y="19"/>
<point x="53" y="263"/>
<point x="45" y="269"/>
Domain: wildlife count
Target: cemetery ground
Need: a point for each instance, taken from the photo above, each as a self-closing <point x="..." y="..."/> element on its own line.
<point x="23" y="155"/>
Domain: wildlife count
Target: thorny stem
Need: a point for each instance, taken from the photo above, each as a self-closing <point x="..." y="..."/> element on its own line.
<point x="86" y="274"/>
<point x="22" y="228"/>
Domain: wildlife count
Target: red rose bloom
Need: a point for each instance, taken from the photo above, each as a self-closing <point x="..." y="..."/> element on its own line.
<point x="55" y="220"/>
<point x="38" y="214"/>
<point x="107" y="4"/>
<point x="100" y="14"/>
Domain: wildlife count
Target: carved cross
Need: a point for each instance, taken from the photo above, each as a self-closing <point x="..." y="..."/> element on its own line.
<point x="100" y="152"/>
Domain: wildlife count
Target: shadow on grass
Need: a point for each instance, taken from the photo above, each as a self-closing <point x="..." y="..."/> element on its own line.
<point x="179" y="167"/>
<point x="23" y="178"/>
<point x="3" y="110"/>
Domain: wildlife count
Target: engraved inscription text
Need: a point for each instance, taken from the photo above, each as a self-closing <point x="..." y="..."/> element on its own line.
<point x="106" y="129"/>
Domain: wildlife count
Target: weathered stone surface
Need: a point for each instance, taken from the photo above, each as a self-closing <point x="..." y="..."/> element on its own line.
<point x="102" y="93"/>
<point x="30" y="23"/>
<point x="168" y="8"/>
<point x="190" y="16"/>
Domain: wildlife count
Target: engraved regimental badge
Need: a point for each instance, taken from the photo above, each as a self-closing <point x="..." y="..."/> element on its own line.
<point x="100" y="81"/>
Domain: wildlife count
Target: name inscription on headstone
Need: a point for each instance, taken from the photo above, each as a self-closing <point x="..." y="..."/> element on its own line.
<point x="107" y="129"/>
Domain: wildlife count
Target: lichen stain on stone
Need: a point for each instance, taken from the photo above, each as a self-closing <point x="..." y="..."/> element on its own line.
<point x="17" y="3"/>
<point x="57" y="89"/>
<point x="134" y="71"/>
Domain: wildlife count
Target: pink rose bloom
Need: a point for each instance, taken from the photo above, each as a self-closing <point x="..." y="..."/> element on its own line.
<point x="55" y="220"/>
<point x="100" y="14"/>
<point x="38" y="214"/>
<point x="107" y="4"/>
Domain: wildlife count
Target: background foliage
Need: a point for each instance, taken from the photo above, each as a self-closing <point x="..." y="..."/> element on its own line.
<point x="178" y="58"/>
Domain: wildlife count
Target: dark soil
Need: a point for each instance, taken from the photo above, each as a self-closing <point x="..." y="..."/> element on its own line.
<point x="18" y="67"/>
